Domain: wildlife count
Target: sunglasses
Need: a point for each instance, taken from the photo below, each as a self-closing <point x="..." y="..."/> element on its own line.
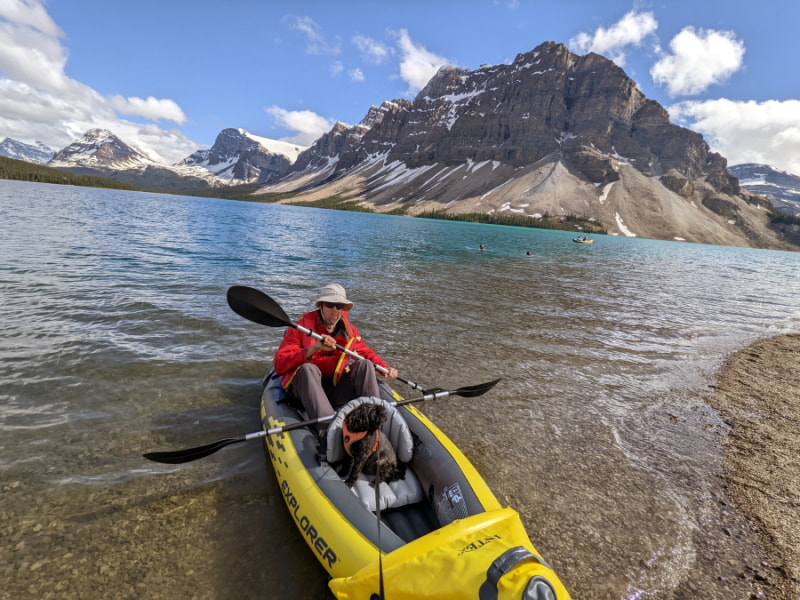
<point x="337" y="306"/>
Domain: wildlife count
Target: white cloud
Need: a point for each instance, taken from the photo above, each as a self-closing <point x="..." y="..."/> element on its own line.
<point x="29" y="14"/>
<point x="760" y="132"/>
<point x="372" y="50"/>
<point x="699" y="59"/>
<point x="336" y="68"/>
<point x="417" y="64"/>
<point x="39" y="102"/>
<point x="308" y="125"/>
<point x="317" y="43"/>
<point x="150" y="108"/>
<point x="171" y="144"/>
<point x="630" y="30"/>
<point x="30" y="48"/>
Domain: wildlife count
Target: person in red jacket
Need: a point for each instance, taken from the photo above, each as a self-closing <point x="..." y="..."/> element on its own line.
<point x="315" y="372"/>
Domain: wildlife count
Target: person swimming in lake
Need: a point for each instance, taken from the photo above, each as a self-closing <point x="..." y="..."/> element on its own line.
<point x="481" y="247"/>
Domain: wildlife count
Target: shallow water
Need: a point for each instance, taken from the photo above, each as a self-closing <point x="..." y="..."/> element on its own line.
<point x="117" y="340"/>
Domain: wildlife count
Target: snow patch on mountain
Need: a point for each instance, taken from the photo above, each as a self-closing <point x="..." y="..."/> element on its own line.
<point x="287" y="149"/>
<point x="621" y="225"/>
<point x="37" y="153"/>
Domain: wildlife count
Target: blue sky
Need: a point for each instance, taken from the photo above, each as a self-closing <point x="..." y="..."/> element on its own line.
<point x="167" y="76"/>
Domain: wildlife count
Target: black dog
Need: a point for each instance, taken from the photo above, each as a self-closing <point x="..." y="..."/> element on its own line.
<point x="368" y="447"/>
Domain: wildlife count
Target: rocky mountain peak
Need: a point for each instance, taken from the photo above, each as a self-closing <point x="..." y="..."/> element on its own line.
<point x="239" y="156"/>
<point x="445" y="81"/>
<point x="99" y="148"/>
<point x="551" y="133"/>
<point x="377" y="114"/>
<point x="548" y="101"/>
<point x="329" y="148"/>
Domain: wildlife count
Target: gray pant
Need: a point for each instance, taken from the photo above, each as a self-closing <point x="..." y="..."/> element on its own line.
<point x="320" y="397"/>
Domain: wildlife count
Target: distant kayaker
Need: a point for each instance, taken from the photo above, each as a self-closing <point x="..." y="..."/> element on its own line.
<point x="315" y="372"/>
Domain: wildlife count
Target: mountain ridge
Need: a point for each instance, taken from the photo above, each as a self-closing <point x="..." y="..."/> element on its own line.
<point x="237" y="157"/>
<point x="780" y="187"/>
<point x="551" y="133"/>
<point x="37" y="153"/>
<point x="99" y="149"/>
<point x="100" y="153"/>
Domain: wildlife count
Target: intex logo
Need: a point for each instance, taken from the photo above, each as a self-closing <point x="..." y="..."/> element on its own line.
<point x="479" y="544"/>
<point x="315" y="540"/>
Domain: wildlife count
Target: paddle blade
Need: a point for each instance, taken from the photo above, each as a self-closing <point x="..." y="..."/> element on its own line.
<point x="256" y="306"/>
<point x="475" y="390"/>
<point x="189" y="454"/>
<point x="437" y="393"/>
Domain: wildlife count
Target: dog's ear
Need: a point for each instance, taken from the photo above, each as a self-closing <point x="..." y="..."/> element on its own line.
<point x="377" y="416"/>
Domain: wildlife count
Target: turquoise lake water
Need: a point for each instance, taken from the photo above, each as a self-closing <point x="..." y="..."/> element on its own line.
<point x="117" y="340"/>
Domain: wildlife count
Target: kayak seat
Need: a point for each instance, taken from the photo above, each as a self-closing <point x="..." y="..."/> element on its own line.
<point x="391" y="495"/>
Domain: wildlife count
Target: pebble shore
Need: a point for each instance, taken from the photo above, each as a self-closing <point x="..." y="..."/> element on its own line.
<point x="758" y="396"/>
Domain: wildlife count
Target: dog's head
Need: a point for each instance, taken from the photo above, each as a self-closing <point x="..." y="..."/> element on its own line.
<point x="362" y="425"/>
<point x="366" y="417"/>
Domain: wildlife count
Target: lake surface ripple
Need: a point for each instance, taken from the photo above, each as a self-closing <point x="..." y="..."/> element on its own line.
<point x="117" y="340"/>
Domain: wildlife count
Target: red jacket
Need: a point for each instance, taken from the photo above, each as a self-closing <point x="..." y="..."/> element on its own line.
<point x="292" y="352"/>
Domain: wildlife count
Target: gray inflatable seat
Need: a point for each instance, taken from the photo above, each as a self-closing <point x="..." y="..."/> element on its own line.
<point x="392" y="495"/>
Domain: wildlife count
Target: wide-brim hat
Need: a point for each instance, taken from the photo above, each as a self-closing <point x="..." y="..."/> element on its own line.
<point x="335" y="294"/>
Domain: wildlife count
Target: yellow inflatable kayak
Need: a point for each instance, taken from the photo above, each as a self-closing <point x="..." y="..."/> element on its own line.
<point x="442" y="534"/>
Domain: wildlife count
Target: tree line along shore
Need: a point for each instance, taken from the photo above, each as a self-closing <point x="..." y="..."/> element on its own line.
<point x="19" y="170"/>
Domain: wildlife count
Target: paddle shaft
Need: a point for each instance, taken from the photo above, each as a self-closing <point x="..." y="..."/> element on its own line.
<point x="298" y="425"/>
<point x="190" y="454"/>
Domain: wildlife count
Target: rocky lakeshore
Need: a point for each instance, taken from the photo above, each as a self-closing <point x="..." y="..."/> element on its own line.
<point x="758" y="396"/>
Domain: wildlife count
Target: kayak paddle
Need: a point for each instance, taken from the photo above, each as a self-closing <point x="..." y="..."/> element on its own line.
<point x="189" y="454"/>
